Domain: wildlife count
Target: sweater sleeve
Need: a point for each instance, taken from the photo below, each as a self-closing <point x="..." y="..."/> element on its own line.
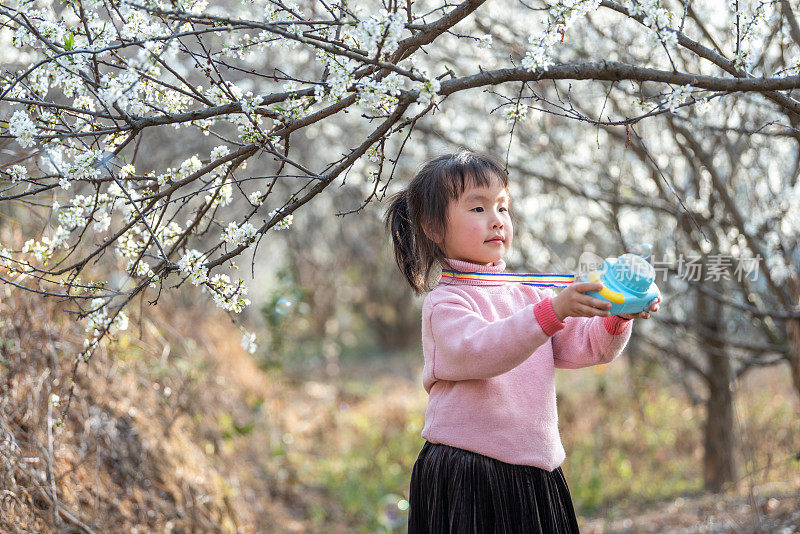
<point x="467" y="346"/>
<point x="586" y="341"/>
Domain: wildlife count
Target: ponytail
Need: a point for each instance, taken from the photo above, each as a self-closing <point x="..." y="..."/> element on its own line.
<point x="398" y="222"/>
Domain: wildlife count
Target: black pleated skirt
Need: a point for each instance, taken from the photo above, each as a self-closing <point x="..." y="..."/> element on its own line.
<point x="462" y="492"/>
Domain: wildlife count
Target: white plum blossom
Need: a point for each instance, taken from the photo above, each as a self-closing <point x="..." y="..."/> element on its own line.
<point x="218" y="96"/>
<point x="678" y="96"/>
<point x="249" y="342"/>
<point x="219" y="152"/>
<point x="535" y="58"/>
<point x="380" y="95"/>
<point x="427" y="90"/>
<point x="190" y="166"/>
<point x="83" y="168"/>
<point x="191" y="264"/>
<point x="250" y="104"/>
<point x="43" y="250"/>
<point x="374" y="153"/>
<point x="284" y="223"/>
<point x="381" y="30"/>
<point x="228" y="295"/>
<point x="485" y="41"/>
<point x="131" y="244"/>
<point x="71" y="217"/>
<point x="223" y="190"/>
<point x="118" y="197"/>
<point x="139" y="268"/>
<point x="6" y="257"/>
<point x="169" y="234"/>
<point x="236" y="235"/>
<point x="340" y="76"/>
<point x="516" y="113"/>
<point x="17" y="173"/>
<point x="563" y="15"/>
<point x="22" y="127"/>
<point x="120" y="90"/>
<point x="98" y="319"/>
<point x="255" y="198"/>
<point x="102" y="221"/>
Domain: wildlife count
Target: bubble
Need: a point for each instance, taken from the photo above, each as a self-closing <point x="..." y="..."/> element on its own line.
<point x="393" y="511"/>
<point x="283" y="306"/>
<point x="643" y="249"/>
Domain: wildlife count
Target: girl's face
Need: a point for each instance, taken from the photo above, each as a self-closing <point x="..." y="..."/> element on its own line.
<point x="479" y="228"/>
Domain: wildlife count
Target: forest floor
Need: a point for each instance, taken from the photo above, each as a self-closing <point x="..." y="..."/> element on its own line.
<point x="176" y="429"/>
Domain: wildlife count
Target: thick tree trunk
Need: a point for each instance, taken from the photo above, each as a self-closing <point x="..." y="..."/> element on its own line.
<point x="718" y="467"/>
<point x="793" y="328"/>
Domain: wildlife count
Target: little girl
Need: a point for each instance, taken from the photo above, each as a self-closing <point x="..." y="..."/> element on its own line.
<point x="491" y="460"/>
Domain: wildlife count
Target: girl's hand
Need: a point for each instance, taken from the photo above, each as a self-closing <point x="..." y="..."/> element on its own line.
<point x="573" y="302"/>
<point x="641" y="315"/>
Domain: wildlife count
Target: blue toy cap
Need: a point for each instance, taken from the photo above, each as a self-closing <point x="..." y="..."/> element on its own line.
<point x="629" y="284"/>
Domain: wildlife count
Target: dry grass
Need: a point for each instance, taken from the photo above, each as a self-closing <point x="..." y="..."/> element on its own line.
<point x="142" y="448"/>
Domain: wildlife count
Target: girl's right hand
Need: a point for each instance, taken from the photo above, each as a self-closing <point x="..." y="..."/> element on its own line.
<point x="573" y="302"/>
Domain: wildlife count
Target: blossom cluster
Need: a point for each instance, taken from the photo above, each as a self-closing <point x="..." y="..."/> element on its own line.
<point x="340" y="76"/>
<point x="17" y="173"/>
<point x="44" y="249"/>
<point x="563" y="14"/>
<point x="284" y="223"/>
<point x="191" y="264"/>
<point x="427" y="89"/>
<point x="656" y="18"/>
<point x="678" y="96"/>
<point x="236" y="235"/>
<point x="256" y="198"/>
<point x="380" y="95"/>
<point x="380" y="31"/>
<point x="98" y="319"/>
<point x="22" y="127"/>
<point x="227" y="294"/>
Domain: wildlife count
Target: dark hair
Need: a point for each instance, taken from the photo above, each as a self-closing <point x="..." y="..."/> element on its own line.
<point x="424" y="204"/>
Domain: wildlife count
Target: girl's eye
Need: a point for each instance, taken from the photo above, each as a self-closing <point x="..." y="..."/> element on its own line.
<point x="480" y="208"/>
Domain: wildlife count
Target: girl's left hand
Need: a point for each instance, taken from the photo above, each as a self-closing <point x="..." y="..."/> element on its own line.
<point x="640" y="315"/>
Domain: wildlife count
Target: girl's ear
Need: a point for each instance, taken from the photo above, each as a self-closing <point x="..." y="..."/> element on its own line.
<point x="433" y="236"/>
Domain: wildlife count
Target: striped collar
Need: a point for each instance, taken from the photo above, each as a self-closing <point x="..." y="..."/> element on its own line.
<point x="468" y="273"/>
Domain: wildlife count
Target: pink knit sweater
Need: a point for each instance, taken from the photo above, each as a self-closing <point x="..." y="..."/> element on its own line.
<point x="491" y="350"/>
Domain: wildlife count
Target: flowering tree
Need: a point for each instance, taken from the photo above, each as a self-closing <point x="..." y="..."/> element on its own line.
<point x="85" y="83"/>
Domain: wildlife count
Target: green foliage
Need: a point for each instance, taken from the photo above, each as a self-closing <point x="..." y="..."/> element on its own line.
<point x="284" y="313"/>
<point x="370" y="476"/>
<point x="644" y="449"/>
<point x="231" y="428"/>
<point x="293" y="339"/>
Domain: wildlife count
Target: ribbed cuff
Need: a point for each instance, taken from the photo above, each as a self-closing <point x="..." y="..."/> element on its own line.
<point x="546" y="316"/>
<point x="615" y="324"/>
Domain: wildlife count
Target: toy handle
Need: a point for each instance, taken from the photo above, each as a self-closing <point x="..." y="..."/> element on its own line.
<point x="608" y="294"/>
